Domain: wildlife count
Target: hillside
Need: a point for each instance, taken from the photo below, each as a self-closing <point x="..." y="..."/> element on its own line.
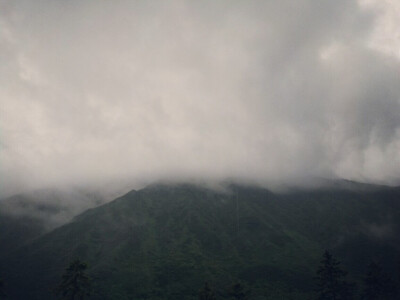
<point x="24" y="217"/>
<point x="164" y="242"/>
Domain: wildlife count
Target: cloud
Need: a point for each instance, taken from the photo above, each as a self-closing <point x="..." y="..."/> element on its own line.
<point x="266" y="91"/>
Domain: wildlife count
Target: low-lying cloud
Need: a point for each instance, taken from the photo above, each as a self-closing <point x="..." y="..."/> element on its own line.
<point x="267" y="91"/>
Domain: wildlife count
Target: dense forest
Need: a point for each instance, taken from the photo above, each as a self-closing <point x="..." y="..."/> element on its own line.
<point x="190" y="242"/>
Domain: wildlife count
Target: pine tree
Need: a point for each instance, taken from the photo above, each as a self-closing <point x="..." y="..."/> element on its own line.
<point x="238" y="292"/>
<point x="331" y="280"/>
<point x="75" y="284"/>
<point x="206" y="293"/>
<point x="378" y="285"/>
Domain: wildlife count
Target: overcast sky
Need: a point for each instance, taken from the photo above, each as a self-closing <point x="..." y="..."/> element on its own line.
<point x="266" y="91"/>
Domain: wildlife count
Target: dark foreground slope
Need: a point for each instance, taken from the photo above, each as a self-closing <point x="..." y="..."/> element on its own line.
<point x="164" y="242"/>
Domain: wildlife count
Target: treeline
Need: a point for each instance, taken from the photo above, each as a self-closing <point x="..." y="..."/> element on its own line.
<point x="331" y="283"/>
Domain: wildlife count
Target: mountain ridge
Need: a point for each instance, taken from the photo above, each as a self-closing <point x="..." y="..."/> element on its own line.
<point x="165" y="240"/>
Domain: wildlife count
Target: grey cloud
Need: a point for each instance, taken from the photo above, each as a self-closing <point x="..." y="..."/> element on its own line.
<point x="51" y="207"/>
<point x="266" y="91"/>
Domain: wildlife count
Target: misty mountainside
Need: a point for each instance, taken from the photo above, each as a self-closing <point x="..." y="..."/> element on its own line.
<point x="165" y="241"/>
<point x="24" y="217"/>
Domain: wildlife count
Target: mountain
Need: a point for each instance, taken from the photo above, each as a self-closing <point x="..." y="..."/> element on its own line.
<point x="165" y="241"/>
<point x="24" y="217"/>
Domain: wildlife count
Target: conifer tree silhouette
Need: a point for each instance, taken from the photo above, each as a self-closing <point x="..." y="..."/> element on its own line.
<point x="75" y="284"/>
<point x="331" y="280"/>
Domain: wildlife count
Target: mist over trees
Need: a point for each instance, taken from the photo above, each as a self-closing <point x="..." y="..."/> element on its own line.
<point x="205" y="149"/>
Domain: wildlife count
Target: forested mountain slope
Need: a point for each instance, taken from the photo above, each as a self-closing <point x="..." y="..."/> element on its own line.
<point x="165" y="241"/>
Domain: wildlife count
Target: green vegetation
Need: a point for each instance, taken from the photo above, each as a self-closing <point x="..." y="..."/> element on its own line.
<point x="164" y="242"/>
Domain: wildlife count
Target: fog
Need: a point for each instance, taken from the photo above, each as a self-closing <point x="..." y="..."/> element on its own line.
<point x="132" y="92"/>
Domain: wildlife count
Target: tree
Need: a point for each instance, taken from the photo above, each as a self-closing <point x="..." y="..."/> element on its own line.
<point x="238" y="292"/>
<point x="377" y="284"/>
<point x="331" y="280"/>
<point x="75" y="284"/>
<point x="206" y="293"/>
